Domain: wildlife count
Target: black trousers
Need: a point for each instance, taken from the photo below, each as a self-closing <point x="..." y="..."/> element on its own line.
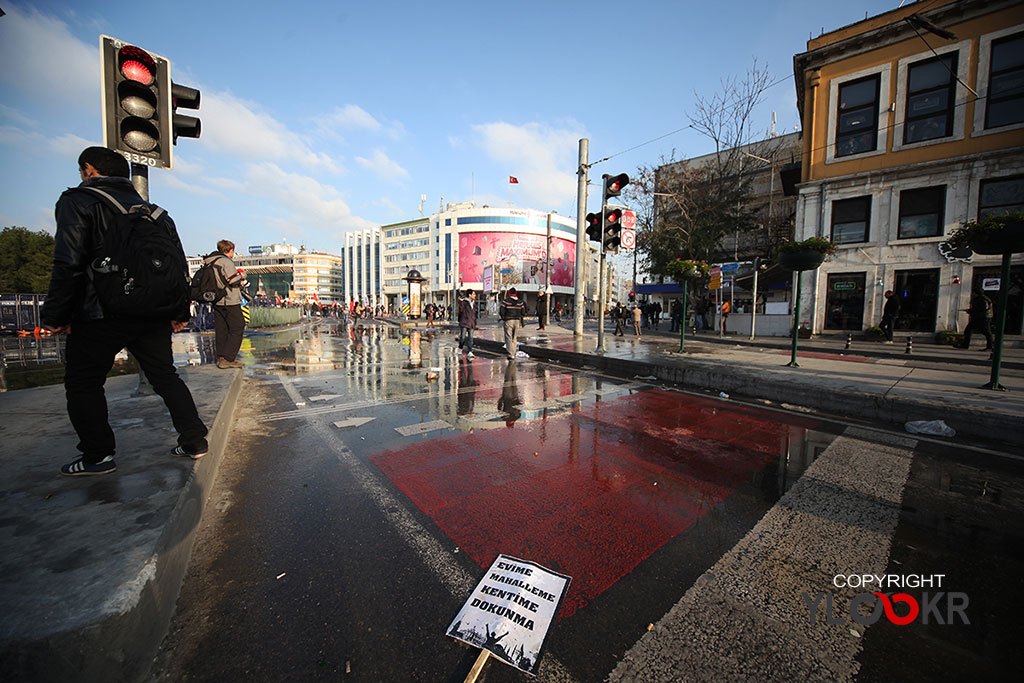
<point x="983" y="325"/>
<point x="91" y="348"/>
<point x="229" y="325"/>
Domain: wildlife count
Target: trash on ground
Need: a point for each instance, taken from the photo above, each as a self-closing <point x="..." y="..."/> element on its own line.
<point x="932" y="427"/>
<point x="522" y="354"/>
<point x="722" y="394"/>
<point x="802" y="409"/>
<point x="644" y="377"/>
<point x="281" y="575"/>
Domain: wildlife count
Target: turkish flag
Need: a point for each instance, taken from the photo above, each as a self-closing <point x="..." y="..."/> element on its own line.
<point x="513" y="180"/>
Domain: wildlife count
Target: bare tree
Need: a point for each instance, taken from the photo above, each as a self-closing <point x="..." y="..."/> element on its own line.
<point x="699" y="203"/>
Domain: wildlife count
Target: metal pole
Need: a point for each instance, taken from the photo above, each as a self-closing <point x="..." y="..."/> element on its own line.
<point x="140" y="181"/>
<point x="796" y="320"/>
<point x="579" y="303"/>
<point x="547" y="276"/>
<point x="600" y="302"/>
<point x="997" y="354"/>
<point x="753" y="305"/>
<point x="682" y="325"/>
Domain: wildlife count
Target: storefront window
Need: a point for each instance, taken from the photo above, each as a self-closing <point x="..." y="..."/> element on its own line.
<point x="919" y="299"/>
<point x="844" y="302"/>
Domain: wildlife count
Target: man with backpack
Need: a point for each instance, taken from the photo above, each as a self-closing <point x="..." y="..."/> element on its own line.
<point x="119" y="281"/>
<point x="229" y="323"/>
<point x="511" y="312"/>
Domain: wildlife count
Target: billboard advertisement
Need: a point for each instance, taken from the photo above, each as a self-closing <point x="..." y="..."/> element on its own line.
<point x="520" y="258"/>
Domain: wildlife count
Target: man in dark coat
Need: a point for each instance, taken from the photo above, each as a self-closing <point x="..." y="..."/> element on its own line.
<point x="889" y="313"/>
<point x="467" y="322"/>
<point x="979" y="319"/>
<point x="73" y="308"/>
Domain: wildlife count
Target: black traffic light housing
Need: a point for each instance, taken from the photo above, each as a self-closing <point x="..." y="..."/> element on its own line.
<point x="186" y="98"/>
<point x="139" y="102"/>
<point x="594" y="227"/>
<point x="612" y="229"/>
<point x="613" y="185"/>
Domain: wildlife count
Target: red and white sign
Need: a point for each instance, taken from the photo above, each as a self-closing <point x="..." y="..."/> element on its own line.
<point x="628" y="239"/>
<point x="628" y="220"/>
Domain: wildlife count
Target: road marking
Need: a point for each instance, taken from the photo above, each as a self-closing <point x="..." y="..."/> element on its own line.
<point x="422" y="427"/>
<point x="325" y="397"/>
<point x="437" y="559"/>
<point x="354" y="422"/>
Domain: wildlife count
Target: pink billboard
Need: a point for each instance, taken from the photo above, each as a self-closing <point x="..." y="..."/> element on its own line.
<point x="521" y="254"/>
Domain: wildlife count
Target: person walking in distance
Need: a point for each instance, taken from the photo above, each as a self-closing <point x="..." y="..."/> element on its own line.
<point x="99" y="323"/>
<point x="467" y="322"/>
<point x="511" y="312"/>
<point x="889" y="313"/>
<point x="229" y="324"/>
<point x="542" y="310"/>
<point x="979" y="319"/>
<point x="619" y="313"/>
<point x="637" y="318"/>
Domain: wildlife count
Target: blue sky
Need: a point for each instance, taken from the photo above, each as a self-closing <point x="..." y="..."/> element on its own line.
<point x="319" y="118"/>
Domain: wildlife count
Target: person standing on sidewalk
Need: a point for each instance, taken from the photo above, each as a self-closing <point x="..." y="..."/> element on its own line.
<point x="619" y="313"/>
<point x="726" y="310"/>
<point x="637" y="318"/>
<point x="889" y="313"/>
<point x="467" y="322"/>
<point x="229" y="323"/>
<point x="979" y="320"/>
<point x="74" y="307"/>
<point x="542" y="310"/>
<point x="511" y="312"/>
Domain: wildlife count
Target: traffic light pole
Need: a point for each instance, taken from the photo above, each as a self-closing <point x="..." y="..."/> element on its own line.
<point x="600" y="305"/>
<point x="579" y="299"/>
<point x="140" y="181"/>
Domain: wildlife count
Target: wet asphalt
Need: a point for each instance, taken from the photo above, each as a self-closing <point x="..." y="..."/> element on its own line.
<point x="373" y="473"/>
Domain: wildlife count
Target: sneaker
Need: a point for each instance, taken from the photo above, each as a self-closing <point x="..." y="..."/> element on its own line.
<point x="470" y="355"/>
<point x="80" y="468"/>
<point x="194" y="454"/>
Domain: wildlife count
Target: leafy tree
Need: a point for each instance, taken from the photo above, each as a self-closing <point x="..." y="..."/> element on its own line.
<point x="26" y="259"/>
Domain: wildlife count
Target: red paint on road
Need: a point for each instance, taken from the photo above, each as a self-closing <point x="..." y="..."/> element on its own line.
<point x="590" y="493"/>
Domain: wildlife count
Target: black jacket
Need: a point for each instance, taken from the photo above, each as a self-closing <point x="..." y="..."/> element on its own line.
<point x="512" y="308"/>
<point x="82" y="219"/>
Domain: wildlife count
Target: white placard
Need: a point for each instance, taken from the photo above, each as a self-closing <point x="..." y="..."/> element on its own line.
<point x="510" y="611"/>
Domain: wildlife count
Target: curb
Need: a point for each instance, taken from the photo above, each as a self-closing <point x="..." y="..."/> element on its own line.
<point x="121" y="646"/>
<point x="701" y="375"/>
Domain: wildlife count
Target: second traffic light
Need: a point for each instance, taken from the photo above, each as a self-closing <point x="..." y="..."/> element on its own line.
<point x="612" y="235"/>
<point x="594" y="227"/>
<point x="613" y="185"/>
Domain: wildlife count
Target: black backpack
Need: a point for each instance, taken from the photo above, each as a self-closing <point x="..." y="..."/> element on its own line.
<point x="140" y="270"/>
<point x="205" y="287"/>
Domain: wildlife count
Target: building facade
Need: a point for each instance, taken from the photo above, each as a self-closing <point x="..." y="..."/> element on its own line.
<point x="362" y="255"/>
<point x="406" y="247"/>
<point x="910" y="128"/>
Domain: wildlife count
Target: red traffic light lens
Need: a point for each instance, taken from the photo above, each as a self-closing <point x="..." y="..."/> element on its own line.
<point x="136" y="64"/>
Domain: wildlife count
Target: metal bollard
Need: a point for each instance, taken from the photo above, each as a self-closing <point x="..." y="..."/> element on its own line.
<point x="849" y="341"/>
<point x="910" y="346"/>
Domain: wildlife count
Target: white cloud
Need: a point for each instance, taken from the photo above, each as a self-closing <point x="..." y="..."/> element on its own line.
<point x="541" y="157"/>
<point x="70" y="145"/>
<point x="391" y="207"/>
<point x="312" y="203"/>
<point x="192" y="188"/>
<point x="352" y="116"/>
<point x="31" y="44"/>
<point x="240" y="127"/>
<point x="383" y="166"/>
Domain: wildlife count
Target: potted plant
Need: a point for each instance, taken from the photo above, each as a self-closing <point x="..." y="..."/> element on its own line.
<point x="689" y="270"/>
<point x="991" y="235"/>
<point x="805" y="255"/>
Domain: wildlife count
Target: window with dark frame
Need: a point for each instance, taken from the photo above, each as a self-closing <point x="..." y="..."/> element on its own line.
<point x="1006" y="83"/>
<point x="1001" y="196"/>
<point x="931" y="96"/>
<point x="851" y="220"/>
<point x="857" y="119"/>
<point x="922" y="212"/>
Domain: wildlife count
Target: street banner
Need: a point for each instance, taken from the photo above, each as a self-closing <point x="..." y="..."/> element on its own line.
<point x="510" y="610"/>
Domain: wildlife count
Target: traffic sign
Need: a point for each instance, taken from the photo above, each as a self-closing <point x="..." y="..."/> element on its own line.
<point x="628" y="220"/>
<point x="628" y="239"/>
<point x="729" y="267"/>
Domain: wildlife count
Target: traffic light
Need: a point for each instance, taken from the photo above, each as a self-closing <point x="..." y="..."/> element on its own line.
<point x="139" y="103"/>
<point x="613" y="185"/>
<point x="612" y="229"/>
<point x="186" y="98"/>
<point x="594" y="227"/>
